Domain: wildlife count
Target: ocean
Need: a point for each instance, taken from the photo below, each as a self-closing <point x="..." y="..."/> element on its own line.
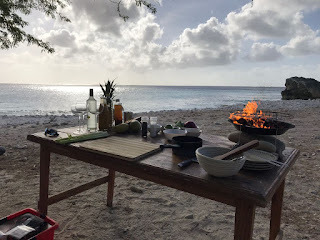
<point x="22" y="100"/>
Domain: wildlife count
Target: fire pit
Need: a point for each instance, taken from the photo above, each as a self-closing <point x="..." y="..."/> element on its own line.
<point x="252" y="121"/>
<point x="253" y="124"/>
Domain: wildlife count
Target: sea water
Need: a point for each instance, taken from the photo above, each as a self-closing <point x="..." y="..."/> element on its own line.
<point x="57" y="100"/>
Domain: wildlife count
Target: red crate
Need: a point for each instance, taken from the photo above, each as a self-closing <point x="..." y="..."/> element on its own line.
<point x="47" y="234"/>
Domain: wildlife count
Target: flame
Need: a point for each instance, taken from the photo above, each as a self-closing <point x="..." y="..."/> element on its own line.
<point x="250" y="114"/>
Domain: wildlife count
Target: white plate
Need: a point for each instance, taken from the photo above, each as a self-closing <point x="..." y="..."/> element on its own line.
<point x="259" y="156"/>
<point x="257" y="160"/>
<point x="257" y="168"/>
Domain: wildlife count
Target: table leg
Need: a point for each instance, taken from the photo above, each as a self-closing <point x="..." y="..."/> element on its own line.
<point x="112" y="175"/>
<point x="276" y="208"/>
<point x="244" y="220"/>
<point x="44" y="179"/>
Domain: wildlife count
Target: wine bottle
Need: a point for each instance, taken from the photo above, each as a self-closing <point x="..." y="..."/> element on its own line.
<point x="91" y="110"/>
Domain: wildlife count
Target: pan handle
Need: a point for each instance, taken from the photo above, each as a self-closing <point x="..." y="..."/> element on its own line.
<point x="169" y="146"/>
<point x="186" y="163"/>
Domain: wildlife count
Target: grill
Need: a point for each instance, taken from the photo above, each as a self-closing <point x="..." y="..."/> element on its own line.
<point x="252" y="121"/>
<point x="271" y="127"/>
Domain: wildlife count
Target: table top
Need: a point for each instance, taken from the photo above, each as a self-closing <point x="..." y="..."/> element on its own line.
<point x="255" y="186"/>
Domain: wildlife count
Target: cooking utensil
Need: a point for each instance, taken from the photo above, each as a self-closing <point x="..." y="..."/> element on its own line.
<point x="187" y="162"/>
<point x="184" y="145"/>
<point x="238" y="150"/>
<point x="281" y="128"/>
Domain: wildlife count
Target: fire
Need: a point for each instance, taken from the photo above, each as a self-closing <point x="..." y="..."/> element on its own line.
<point x="250" y="116"/>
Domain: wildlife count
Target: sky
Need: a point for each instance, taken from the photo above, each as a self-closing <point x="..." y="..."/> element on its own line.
<point x="187" y="42"/>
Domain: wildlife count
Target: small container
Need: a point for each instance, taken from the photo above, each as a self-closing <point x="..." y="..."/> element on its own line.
<point x="144" y="126"/>
<point x="154" y="129"/>
<point x="127" y="116"/>
<point x="103" y="116"/>
<point x="118" y="112"/>
<point x="153" y="120"/>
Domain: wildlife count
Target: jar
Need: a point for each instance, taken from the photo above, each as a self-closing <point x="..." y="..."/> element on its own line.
<point x="105" y="114"/>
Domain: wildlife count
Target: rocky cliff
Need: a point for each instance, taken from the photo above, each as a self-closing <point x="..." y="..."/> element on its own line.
<point x="301" y="88"/>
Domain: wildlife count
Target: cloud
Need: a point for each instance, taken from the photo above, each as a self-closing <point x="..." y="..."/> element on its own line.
<point x="286" y="7"/>
<point x="276" y="20"/>
<point x="264" y="52"/>
<point x="61" y="38"/>
<point x="210" y="43"/>
<point x="302" y="45"/>
<point x="98" y="34"/>
<point x="256" y="23"/>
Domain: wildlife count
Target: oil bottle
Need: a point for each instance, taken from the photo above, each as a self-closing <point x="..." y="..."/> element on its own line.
<point x="118" y="112"/>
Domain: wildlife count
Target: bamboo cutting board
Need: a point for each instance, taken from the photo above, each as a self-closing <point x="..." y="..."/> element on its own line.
<point x="124" y="148"/>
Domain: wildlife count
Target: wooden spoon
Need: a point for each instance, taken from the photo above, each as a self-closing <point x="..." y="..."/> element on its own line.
<point x="238" y="150"/>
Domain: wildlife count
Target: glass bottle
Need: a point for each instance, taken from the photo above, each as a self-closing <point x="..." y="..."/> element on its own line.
<point x="91" y="110"/>
<point x="110" y="112"/>
<point x="118" y="112"/>
<point x="103" y="114"/>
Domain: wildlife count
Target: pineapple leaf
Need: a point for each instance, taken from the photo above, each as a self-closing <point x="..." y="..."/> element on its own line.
<point x="109" y="88"/>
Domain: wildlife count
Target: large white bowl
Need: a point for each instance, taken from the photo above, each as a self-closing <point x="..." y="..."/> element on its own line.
<point x="170" y="133"/>
<point x="218" y="168"/>
<point x="194" y="132"/>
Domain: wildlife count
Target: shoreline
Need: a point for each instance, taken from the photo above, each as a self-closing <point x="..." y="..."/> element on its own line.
<point x="64" y="119"/>
<point x="170" y="214"/>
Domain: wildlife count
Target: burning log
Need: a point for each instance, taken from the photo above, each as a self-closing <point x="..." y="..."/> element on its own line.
<point x="242" y="121"/>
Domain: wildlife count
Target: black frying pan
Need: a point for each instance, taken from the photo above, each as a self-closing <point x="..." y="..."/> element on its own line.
<point x="184" y="145"/>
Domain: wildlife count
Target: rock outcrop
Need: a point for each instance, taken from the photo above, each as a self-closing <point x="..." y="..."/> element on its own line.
<point x="301" y="88"/>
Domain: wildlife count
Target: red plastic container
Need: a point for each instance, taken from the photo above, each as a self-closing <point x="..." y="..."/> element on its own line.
<point x="47" y="234"/>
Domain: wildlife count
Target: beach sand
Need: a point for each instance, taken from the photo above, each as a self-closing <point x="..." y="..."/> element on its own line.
<point x="144" y="210"/>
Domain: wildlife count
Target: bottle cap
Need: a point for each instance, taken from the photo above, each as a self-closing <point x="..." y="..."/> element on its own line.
<point x="91" y="92"/>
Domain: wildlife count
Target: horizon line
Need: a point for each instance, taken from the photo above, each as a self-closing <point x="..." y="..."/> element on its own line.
<point x="147" y="85"/>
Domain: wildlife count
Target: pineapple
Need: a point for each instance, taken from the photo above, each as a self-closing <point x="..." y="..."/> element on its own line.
<point x="109" y="89"/>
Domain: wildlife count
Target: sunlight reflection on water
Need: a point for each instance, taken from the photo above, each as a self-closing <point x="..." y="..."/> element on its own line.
<point x="57" y="100"/>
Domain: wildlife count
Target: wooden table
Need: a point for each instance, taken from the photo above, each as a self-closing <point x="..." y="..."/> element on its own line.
<point x="244" y="191"/>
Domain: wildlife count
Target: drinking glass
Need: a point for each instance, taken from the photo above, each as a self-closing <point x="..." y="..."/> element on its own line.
<point x="79" y="109"/>
<point x="153" y="120"/>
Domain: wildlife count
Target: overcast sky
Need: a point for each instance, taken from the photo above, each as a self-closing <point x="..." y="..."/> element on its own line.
<point x="188" y="42"/>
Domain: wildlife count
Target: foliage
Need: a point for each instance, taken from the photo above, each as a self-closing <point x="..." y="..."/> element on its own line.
<point x="139" y="3"/>
<point x="12" y="24"/>
<point x="109" y="89"/>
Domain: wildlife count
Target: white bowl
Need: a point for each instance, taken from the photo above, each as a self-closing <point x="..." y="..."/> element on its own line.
<point x="218" y="168"/>
<point x="170" y="133"/>
<point x="157" y="126"/>
<point x="195" y="132"/>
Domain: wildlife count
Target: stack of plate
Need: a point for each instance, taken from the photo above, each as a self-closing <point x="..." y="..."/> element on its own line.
<point x="257" y="160"/>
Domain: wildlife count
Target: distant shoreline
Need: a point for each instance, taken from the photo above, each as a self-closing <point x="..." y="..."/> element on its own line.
<point x="61" y="120"/>
<point x="132" y="85"/>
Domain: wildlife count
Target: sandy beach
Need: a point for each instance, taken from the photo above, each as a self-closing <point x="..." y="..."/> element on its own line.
<point x="144" y="210"/>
